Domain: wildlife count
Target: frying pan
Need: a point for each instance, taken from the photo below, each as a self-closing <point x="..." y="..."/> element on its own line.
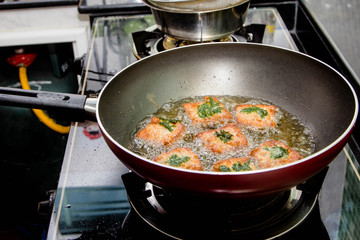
<point x="304" y="86"/>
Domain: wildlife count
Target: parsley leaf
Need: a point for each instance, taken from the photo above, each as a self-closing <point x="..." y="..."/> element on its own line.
<point x="277" y="152"/>
<point x="176" y="161"/>
<point x="262" y="112"/>
<point x="223" y="168"/>
<point x="209" y="108"/>
<point x="223" y="136"/>
<point x="168" y="124"/>
<point x="237" y="167"/>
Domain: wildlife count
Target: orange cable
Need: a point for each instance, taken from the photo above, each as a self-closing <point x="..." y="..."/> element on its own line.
<point x="41" y="115"/>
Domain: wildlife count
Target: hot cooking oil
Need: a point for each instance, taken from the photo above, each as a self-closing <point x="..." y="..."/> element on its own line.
<point x="289" y="129"/>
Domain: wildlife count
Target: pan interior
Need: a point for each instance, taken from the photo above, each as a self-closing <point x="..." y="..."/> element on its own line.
<point x="305" y="87"/>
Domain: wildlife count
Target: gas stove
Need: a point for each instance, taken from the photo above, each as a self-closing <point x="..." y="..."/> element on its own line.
<point x="98" y="198"/>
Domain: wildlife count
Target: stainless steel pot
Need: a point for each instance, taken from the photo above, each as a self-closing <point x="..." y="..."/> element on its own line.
<point x="199" y="20"/>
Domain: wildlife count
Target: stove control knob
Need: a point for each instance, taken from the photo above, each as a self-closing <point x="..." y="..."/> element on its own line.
<point x="45" y="207"/>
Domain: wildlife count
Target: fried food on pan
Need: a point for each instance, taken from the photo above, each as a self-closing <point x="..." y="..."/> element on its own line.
<point x="234" y="165"/>
<point x="274" y="153"/>
<point x="180" y="157"/>
<point x="259" y="116"/>
<point x="162" y="131"/>
<point x="207" y="113"/>
<point x="227" y="138"/>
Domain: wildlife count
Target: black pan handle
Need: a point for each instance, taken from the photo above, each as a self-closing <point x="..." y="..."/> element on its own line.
<point x="66" y="106"/>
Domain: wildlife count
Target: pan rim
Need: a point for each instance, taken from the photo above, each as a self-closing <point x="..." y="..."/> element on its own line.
<point x="343" y="136"/>
<point x="187" y="11"/>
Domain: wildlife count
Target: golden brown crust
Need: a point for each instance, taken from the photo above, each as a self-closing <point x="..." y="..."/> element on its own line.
<point x="254" y="119"/>
<point x="267" y="157"/>
<point x="156" y="133"/>
<point x="192" y="163"/>
<point x="216" y="145"/>
<point x="218" y="118"/>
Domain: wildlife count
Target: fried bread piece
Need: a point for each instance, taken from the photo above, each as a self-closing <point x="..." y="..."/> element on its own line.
<point x="207" y="113"/>
<point x="162" y="132"/>
<point x="259" y="116"/>
<point x="227" y="138"/>
<point x="180" y="157"/>
<point x="234" y="165"/>
<point x="274" y="153"/>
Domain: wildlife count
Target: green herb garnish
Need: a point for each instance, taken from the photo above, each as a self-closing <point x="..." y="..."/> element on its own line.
<point x="237" y="167"/>
<point x="223" y="168"/>
<point x="277" y="152"/>
<point x="262" y="112"/>
<point x="223" y="136"/>
<point x="169" y="124"/>
<point x="176" y="161"/>
<point x="209" y="108"/>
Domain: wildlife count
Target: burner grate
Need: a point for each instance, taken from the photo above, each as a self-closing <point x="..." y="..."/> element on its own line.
<point x="147" y="43"/>
<point x="177" y="215"/>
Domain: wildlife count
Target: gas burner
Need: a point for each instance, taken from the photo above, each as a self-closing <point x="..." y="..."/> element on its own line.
<point x="167" y="42"/>
<point x="152" y="41"/>
<point x="170" y="42"/>
<point x="178" y="215"/>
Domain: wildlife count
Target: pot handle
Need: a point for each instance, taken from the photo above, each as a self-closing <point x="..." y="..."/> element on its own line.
<point x="65" y="106"/>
